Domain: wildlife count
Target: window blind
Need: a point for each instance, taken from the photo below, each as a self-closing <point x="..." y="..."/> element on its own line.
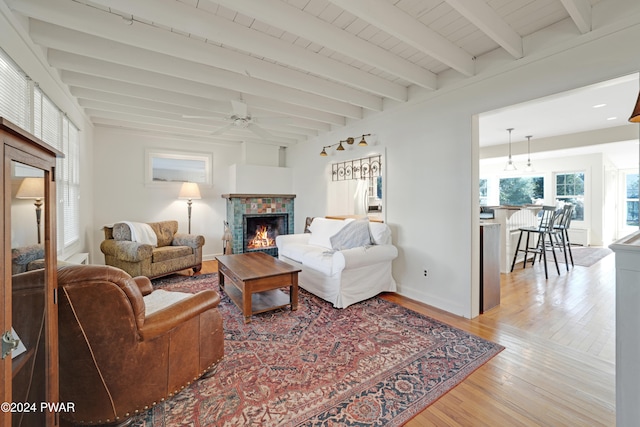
<point x="26" y="105"/>
<point x="14" y="93"/>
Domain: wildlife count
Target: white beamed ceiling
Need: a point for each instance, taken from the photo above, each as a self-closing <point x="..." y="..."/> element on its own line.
<point x="317" y="64"/>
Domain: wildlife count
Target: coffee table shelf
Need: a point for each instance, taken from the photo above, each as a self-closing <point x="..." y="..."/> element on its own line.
<point x="256" y="280"/>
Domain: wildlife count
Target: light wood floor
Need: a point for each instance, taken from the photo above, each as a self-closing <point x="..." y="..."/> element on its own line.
<point x="558" y="368"/>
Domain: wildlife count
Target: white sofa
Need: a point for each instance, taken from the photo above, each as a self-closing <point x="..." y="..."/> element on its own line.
<point x="342" y="261"/>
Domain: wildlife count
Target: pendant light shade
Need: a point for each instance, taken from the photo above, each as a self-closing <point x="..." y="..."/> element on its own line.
<point x="340" y="147"/>
<point x="510" y="166"/>
<point x="635" y="116"/>
<point x="323" y="153"/>
<point x="529" y="167"/>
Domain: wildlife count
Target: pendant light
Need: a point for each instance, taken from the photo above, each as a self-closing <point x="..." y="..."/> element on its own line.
<point x="510" y="166"/>
<point x="635" y="116"/>
<point x="529" y="167"/>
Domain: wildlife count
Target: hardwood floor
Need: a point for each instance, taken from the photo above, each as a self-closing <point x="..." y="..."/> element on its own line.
<point x="558" y="367"/>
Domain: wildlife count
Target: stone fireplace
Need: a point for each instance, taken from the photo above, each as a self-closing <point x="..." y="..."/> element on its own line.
<point x="255" y="220"/>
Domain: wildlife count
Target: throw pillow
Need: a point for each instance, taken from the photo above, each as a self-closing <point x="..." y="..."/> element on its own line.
<point x="322" y="229"/>
<point x="353" y="235"/>
<point x="380" y="233"/>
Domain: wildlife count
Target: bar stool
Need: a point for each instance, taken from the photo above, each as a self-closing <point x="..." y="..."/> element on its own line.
<point x="562" y="226"/>
<point x="545" y="230"/>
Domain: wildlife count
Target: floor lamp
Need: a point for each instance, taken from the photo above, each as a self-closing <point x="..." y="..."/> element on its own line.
<point x="189" y="191"/>
<point x="33" y="188"/>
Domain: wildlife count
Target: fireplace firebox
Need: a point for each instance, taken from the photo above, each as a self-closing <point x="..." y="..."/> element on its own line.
<point x="255" y="220"/>
<point x="260" y="232"/>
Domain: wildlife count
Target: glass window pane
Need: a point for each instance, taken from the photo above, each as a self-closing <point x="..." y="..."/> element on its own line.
<point x="632" y="186"/>
<point x="520" y="191"/>
<point x="632" y="214"/>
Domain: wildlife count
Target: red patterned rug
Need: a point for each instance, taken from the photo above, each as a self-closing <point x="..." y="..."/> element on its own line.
<point x="373" y="363"/>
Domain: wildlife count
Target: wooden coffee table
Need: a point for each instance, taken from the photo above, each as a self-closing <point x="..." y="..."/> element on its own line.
<point x="256" y="279"/>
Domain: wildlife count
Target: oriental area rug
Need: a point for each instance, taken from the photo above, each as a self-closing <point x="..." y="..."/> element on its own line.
<point x="374" y="363"/>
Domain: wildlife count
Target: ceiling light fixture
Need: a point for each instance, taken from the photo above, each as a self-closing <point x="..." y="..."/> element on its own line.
<point x="529" y="167"/>
<point x="350" y="141"/>
<point x="635" y="116"/>
<point x="510" y="166"/>
<point x="363" y="142"/>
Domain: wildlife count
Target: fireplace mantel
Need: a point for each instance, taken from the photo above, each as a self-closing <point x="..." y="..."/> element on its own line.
<point x="254" y="196"/>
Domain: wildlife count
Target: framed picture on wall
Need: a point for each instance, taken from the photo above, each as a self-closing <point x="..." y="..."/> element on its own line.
<point x="166" y="167"/>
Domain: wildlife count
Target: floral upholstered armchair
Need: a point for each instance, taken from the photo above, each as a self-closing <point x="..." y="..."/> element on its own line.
<point x="151" y="249"/>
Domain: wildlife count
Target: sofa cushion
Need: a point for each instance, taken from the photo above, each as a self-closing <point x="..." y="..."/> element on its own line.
<point x="135" y="232"/>
<point x="161" y="299"/>
<point x="354" y="234"/>
<point x="296" y="251"/>
<point x="380" y="233"/>
<point x="326" y="262"/>
<point x="322" y="229"/>
<point x="165" y="230"/>
<point x="166" y="253"/>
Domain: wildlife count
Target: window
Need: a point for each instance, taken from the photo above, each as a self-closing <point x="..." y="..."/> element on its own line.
<point x="19" y="97"/>
<point x="15" y="88"/>
<point x="521" y="191"/>
<point x="483" y="192"/>
<point x="570" y="189"/>
<point x="631" y="184"/>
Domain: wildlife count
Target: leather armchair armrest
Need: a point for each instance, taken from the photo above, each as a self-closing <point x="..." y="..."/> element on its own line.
<point x="144" y="284"/>
<point x="125" y="250"/>
<point x="192" y="240"/>
<point x="163" y="321"/>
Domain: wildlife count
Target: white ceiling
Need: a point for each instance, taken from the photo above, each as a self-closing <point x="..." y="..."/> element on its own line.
<point x="601" y="106"/>
<point x="320" y="64"/>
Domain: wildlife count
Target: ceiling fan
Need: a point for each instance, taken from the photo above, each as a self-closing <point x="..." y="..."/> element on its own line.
<point x="241" y="119"/>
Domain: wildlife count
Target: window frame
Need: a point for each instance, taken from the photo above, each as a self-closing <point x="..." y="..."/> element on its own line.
<point x="582" y="198"/>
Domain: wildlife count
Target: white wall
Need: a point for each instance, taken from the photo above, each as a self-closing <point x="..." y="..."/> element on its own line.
<point x="121" y="193"/>
<point x="431" y="158"/>
<point x="259" y="179"/>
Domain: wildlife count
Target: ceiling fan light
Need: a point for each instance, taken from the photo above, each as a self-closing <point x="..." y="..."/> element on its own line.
<point x="350" y="141"/>
<point x="340" y="147"/>
<point x="323" y="153"/>
<point x="362" y="142"/>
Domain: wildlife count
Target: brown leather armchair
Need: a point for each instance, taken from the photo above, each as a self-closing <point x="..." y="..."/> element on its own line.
<point x="116" y="359"/>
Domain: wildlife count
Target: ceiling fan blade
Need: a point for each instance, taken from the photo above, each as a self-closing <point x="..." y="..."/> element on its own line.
<point x="239" y="108"/>
<point x="259" y="131"/>
<point x="272" y="120"/>
<point x="185" y="116"/>
<point x="222" y="129"/>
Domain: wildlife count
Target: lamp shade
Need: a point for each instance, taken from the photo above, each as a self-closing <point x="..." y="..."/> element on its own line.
<point x="189" y="191"/>
<point x="635" y="116"/>
<point x="31" y="188"/>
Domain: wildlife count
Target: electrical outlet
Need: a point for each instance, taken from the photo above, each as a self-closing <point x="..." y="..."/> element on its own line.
<point x="425" y="273"/>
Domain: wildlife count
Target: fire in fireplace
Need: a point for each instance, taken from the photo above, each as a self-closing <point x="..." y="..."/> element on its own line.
<point x="260" y="231"/>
